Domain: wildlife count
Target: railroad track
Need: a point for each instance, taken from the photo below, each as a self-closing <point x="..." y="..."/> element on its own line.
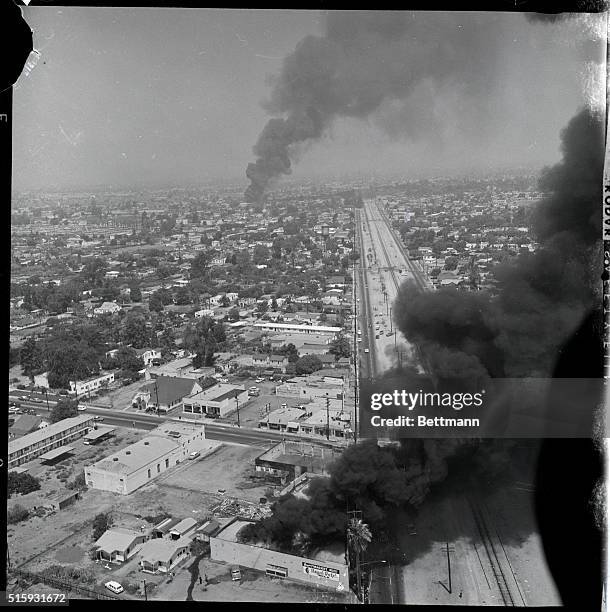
<point x="501" y="569"/>
<point x="423" y="360"/>
<point x="417" y="275"/>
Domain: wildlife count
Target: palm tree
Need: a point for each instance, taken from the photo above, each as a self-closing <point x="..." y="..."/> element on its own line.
<point x="358" y="538"/>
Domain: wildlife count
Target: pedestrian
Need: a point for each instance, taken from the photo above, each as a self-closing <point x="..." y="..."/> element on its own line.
<point x="461" y="594"/>
<point x="200" y="580"/>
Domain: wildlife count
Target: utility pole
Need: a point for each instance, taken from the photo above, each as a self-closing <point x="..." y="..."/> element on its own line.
<point x="328" y="418"/>
<point x="157" y="396"/>
<point x="237" y="404"/>
<point x="448" y="550"/>
<point x="46" y="394"/>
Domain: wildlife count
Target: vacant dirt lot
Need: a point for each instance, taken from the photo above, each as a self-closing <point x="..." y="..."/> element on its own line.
<point x="226" y="469"/>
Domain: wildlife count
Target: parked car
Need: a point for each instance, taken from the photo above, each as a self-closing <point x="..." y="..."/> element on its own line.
<point x="260" y="379"/>
<point x="235" y="573"/>
<point x="366" y="350"/>
<point x="114" y="586"/>
<point x="38" y="400"/>
<point x="194" y="455"/>
<point x="98" y="418"/>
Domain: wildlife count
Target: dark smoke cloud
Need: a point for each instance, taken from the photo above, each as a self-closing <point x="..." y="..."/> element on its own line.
<point x="543" y="296"/>
<point x="363" y="60"/>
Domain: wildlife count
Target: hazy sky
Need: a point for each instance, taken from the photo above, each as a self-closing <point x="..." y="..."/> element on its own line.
<point x="151" y="96"/>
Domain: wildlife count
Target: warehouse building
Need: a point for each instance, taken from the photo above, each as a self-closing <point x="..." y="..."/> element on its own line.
<point x="51" y="438"/>
<point x="134" y="466"/>
<point x="323" y="570"/>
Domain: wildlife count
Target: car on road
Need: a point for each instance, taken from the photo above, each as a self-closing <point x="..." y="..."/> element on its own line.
<point x="194" y="455"/>
<point x="37" y="400"/>
<point x="81" y="407"/>
<point x="366" y="350"/>
<point x="24" y="397"/>
<point x="14" y="410"/>
<point x="98" y="418"/>
<point x="359" y="339"/>
<point x="376" y="336"/>
<point x="253" y="391"/>
<point x="235" y="573"/>
<point x="260" y="379"/>
<point x="29" y="411"/>
<point x="114" y="586"/>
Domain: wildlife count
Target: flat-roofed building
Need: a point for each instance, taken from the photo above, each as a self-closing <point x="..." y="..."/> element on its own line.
<point x="324" y="571"/>
<point x="286" y="418"/>
<point x="42" y="441"/>
<point x="91" y="385"/>
<point x="134" y="466"/>
<point x="216" y="401"/>
<point x="289" y="459"/>
<point x="300" y="329"/>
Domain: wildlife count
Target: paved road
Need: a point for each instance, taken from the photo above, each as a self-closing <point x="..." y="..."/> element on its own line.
<point x="224" y="433"/>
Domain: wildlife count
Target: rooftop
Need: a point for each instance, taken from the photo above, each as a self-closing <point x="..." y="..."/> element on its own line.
<point x="229" y="533"/>
<point x="137" y="455"/>
<point x="170" y="428"/>
<point x="168" y="389"/>
<point x="42" y="434"/>
<point x="217" y="393"/>
<point x="161" y="549"/>
<point x="117" y="538"/>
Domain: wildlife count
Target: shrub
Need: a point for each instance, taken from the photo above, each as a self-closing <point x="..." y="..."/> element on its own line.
<point x="155" y="519"/>
<point x="101" y="523"/>
<point x="78" y="482"/>
<point x="22" y="483"/>
<point x="17" y="514"/>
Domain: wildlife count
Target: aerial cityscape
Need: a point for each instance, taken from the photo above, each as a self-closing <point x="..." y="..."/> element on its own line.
<point x="203" y="285"/>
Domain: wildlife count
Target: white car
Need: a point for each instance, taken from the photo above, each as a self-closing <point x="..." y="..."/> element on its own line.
<point x="366" y="350"/>
<point x="194" y="455"/>
<point x="98" y="418"/>
<point x="359" y="339"/>
<point x="114" y="586"/>
<point x="260" y="380"/>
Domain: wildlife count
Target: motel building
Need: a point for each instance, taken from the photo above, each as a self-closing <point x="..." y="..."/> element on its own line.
<point x="49" y="442"/>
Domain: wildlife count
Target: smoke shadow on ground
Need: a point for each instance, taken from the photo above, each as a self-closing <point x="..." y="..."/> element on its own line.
<point x="505" y="468"/>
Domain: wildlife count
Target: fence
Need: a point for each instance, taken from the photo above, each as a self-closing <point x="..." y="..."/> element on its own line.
<point x="64" y="585"/>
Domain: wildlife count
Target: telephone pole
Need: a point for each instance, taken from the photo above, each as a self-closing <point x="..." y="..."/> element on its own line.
<point x="328" y="418"/>
<point x="237" y="404"/>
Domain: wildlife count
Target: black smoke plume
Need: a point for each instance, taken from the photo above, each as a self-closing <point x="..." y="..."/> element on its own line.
<point x="543" y="296"/>
<point x="364" y="59"/>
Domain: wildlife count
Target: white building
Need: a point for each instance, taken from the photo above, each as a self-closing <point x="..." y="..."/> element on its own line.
<point x="107" y="308"/>
<point x="216" y="401"/>
<point x="132" y="467"/>
<point x="91" y="385"/>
